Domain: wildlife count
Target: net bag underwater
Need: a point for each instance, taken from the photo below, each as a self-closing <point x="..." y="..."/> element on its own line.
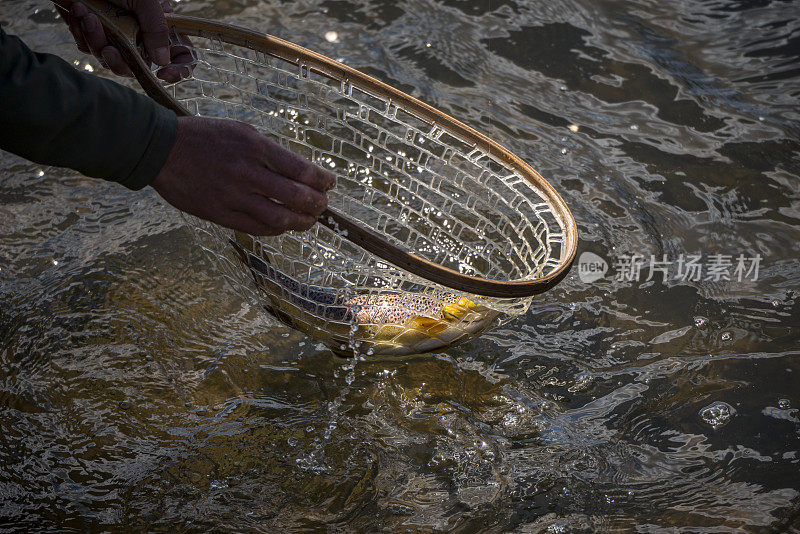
<point x="407" y="173"/>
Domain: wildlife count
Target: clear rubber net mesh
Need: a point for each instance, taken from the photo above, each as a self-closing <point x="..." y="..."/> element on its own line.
<point x="400" y="175"/>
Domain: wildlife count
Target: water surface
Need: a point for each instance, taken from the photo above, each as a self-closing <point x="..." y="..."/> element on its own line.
<point x="138" y="392"/>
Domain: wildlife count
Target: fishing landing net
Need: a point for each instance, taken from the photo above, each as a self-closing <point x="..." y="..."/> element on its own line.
<point x="426" y="184"/>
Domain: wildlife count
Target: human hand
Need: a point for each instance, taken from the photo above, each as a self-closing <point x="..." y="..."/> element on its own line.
<point x="227" y="172"/>
<point x="169" y="51"/>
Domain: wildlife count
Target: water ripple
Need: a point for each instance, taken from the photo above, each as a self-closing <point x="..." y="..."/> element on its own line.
<point x="137" y="392"/>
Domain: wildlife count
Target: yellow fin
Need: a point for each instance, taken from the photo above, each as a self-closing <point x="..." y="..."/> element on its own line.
<point x="453" y="312"/>
<point x="466" y="303"/>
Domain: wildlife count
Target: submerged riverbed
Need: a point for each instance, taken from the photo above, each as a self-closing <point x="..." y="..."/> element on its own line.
<point x="138" y="391"/>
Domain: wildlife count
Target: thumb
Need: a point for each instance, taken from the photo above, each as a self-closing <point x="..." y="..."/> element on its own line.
<point x="155" y="34"/>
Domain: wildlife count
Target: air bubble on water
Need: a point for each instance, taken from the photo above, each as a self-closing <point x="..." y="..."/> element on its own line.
<point x="717" y="414"/>
<point x="784" y="404"/>
<point x="776" y="303"/>
<point x="370" y="351"/>
<point x="726" y="336"/>
<point x="563" y="88"/>
<point x="634" y="127"/>
<point x="292" y="441"/>
<point x="700" y="321"/>
<point x="563" y="150"/>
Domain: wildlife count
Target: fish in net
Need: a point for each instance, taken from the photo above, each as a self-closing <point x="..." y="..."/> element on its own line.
<point x="400" y="173"/>
<point x="474" y="216"/>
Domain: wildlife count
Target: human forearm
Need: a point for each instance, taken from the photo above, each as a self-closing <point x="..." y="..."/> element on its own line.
<point x="52" y="114"/>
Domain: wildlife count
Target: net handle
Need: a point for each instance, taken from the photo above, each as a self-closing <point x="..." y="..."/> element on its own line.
<point x="122" y="30"/>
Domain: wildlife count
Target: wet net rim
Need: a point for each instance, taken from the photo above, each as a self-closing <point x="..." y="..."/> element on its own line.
<point x="309" y="61"/>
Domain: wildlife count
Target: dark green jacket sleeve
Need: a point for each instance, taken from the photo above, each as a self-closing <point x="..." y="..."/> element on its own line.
<point x="53" y="114"/>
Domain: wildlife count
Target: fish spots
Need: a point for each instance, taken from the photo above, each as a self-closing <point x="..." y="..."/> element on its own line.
<point x="397" y="308"/>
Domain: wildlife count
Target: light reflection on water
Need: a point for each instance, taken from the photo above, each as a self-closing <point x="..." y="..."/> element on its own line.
<point x="137" y="392"/>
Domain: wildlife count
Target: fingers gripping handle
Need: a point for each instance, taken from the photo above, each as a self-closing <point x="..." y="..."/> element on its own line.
<point x="122" y="29"/>
<point x="123" y="21"/>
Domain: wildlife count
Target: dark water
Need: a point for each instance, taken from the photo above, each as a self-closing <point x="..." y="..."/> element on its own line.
<point x="137" y="392"/>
